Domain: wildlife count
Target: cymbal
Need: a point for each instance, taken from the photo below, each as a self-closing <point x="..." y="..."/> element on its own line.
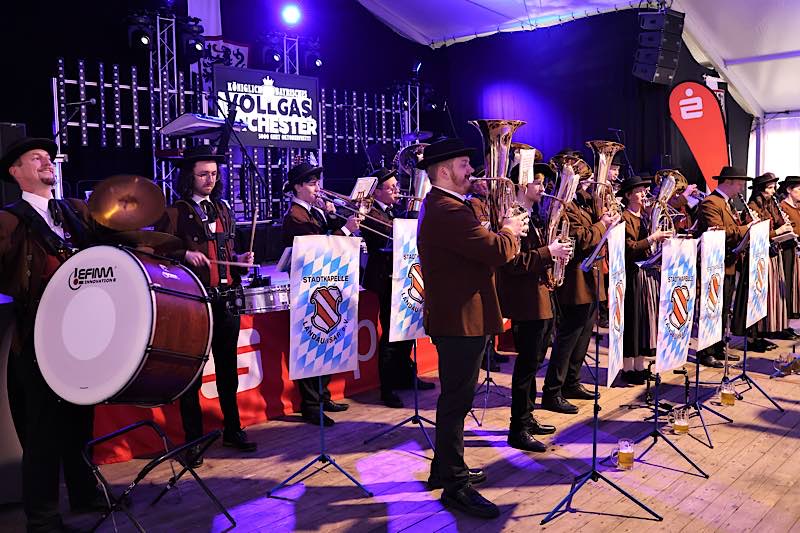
<point x="158" y="241"/>
<point x="416" y="136"/>
<point x="126" y="202"/>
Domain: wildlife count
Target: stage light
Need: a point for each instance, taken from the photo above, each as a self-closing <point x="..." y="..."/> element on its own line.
<point x="313" y="60"/>
<point x="190" y="40"/>
<point x="290" y="14"/>
<point x="140" y="31"/>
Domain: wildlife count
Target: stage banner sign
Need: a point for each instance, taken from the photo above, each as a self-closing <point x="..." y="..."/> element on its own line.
<point x="280" y="110"/>
<point x="676" y="303"/>
<point x="712" y="282"/>
<point x="696" y="112"/>
<point x="323" y="317"/>
<point x="408" y="287"/>
<point x="616" y="300"/>
<point x="758" y="272"/>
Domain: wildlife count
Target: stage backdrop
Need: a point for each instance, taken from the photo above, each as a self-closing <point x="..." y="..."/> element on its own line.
<point x="265" y="390"/>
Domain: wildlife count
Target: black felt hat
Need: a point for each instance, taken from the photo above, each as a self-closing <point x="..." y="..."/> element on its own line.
<point x="19" y="147"/>
<point x="299" y="173"/>
<point x="383" y="174"/>
<point x="630" y="183"/>
<point x="732" y="173"/>
<point x="201" y="152"/>
<point x="763" y="180"/>
<point x="442" y="151"/>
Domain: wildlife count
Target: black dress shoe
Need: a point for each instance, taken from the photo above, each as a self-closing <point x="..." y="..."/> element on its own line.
<point x="471" y="502"/>
<point x="632" y="377"/>
<point x="333" y="407"/>
<point x="791" y="334"/>
<point x="476" y="476"/>
<point x="578" y="392"/>
<point x="537" y="428"/>
<point x="193" y="456"/>
<point x="96" y="504"/>
<point x="501" y="357"/>
<point x="523" y="439"/>
<point x="710" y="361"/>
<point x="559" y="405"/>
<point x="769" y="344"/>
<point x="390" y="399"/>
<point x="425" y="385"/>
<point x="721" y="356"/>
<point x="312" y="417"/>
<point x="238" y="440"/>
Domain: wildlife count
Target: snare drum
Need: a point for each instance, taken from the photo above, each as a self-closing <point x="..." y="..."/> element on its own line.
<point x="121" y="326"/>
<point x="254" y="300"/>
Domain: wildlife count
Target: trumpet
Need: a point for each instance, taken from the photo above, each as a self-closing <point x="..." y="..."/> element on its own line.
<point x="360" y="207"/>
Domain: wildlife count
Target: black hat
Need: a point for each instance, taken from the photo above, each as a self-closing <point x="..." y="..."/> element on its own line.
<point x="790" y="181"/>
<point x="732" y="173"/>
<point x="442" y="151"/>
<point x="201" y="152"/>
<point x="538" y="168"/>
<point x="617" y="160"/>
<point x="19" y="147"/>
<point x="383" y="174"/>
<point x="763" y="180"/>
<point x="299" y="173"/>
<point x="630" y="183"/>
<point x="569" y="152"/>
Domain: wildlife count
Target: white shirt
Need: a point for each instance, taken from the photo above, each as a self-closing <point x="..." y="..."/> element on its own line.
<point x="448" y="191"/>
<point x="308" y="207"/>
<point x="39" y="204"/>
<point x="197" y="199"/>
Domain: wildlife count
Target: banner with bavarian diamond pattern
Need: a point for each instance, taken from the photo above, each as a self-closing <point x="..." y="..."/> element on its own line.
<point x="408" y="288"/>
<point x="712" y="283"/>
<point x="676" y="303"/>
<point x="324" y="306"/>
<point x="758" y="272"/>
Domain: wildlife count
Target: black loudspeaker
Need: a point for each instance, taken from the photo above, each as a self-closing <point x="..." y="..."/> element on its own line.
<point x="9" y="132"/>
<point x="656" y="59"/>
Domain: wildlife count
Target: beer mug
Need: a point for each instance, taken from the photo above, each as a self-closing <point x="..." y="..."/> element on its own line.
<point x="679" y="417"/>
<point x="623" y="454"/>
<point x="727" y="393"/>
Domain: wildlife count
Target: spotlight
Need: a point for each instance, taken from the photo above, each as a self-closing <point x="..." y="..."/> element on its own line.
<point x="140" y="31"/>
<point x="290" y="14"/>
<point x="272" y="57"/>
<point x="191" y="41"/>
<point x="313" y="60"/>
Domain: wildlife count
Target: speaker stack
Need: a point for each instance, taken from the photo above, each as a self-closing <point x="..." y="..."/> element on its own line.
<point x="656" y="59"/>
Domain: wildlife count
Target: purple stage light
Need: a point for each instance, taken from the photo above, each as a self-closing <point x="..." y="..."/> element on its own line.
<point x="291" y="14"/>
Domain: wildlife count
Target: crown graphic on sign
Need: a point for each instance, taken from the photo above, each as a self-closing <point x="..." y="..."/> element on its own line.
<point x="269" y="82"/>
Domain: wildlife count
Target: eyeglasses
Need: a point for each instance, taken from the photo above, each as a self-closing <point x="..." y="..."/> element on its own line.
<point x="393" y="188"/>
<point x="206" y="175"/>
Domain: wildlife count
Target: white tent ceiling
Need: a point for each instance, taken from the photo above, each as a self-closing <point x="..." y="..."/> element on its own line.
<point x="753" y="44"/>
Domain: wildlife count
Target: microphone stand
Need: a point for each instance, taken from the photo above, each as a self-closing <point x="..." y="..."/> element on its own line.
<point x="450" y="116"/>
<point x="66" y="121"/>
<point x="620" y="140"/>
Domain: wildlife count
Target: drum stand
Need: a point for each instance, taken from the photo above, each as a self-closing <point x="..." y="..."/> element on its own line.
<point x="323" y="456"/>
<point x="487" y="383"/>
<point x="119" y="503"/>
<point x="416" y="418"/>
<point x="749" y="381"/>
<point x="593" y="474"/>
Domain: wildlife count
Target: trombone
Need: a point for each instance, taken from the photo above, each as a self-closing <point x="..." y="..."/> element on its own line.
<point x="358" y="207"/>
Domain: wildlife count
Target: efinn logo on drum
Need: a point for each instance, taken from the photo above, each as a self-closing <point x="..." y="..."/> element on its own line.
<point x="90" y="276"/>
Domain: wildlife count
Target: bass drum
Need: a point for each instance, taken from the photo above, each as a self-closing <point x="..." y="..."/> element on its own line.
<point x="121" y="326"/>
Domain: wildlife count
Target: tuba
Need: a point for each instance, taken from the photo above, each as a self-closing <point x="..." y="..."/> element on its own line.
<point x="603" y="193"/>
<point x="558" y="223"/>
<point x="405" y="161"/>
<point x="496" y="136"/>
<point x="660" y="216"/>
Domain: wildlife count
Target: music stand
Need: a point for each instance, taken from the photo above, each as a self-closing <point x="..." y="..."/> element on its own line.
<point x="581" y="479"/>
<point x="487" y="382"/>
<point x="416" y="418"/>
<point x="323" y="456"/>
<point x="750" y="382"/>
<point x="698" y="406"/>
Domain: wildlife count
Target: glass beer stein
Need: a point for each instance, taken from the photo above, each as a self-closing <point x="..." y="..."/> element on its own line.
<point x="679" y="417"/>
<point x="727" y="393"/>
<point x="624" y="454"/>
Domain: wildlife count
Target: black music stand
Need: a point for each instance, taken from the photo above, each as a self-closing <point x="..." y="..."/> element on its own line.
<point x="487" y="383"/>
<point x="416" y="418"/>
<point x="750" y="382"/>
<point x="323" y="456"/>
<point x="581" y="479"/>
<point x="119" y="503"/>
<point x="698" y="406"/>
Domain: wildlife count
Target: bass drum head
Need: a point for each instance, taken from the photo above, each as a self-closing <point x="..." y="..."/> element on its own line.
<point x="94" y="325"/>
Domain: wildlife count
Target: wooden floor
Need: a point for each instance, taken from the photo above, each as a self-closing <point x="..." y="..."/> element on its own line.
<point x="753" y="468"/>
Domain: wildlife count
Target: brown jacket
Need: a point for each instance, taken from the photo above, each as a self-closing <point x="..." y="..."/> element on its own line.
<point x="580" y="287"/>
<point x="714" y="211"/>
<point x="520" y="287"/>
<point x="458" y="258"/>
<point x="25" y="259"/>
<point x="184" y="220"/>
<point x="794" y="217"/>
<point x="298" y="221"/>
<point x="378" y="272"/>
<point x="636" y="246"/>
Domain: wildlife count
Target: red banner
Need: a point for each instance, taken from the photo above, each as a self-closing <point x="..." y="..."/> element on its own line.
<point x="696" y="111"/>
<point x="265" y="390"/>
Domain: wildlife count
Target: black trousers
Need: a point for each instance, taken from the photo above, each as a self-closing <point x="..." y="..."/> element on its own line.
<point x="728" y="287"/>
<point x="789" y="275"/>
<point x="572" y="337"/>
<point x="224" y="343"/>
<point x="459" y="364"/>
<point x="531" y="343"/>
<point x="52" y="433"/>
<point x="309" y="393"/>
<point x="395" y="367"/>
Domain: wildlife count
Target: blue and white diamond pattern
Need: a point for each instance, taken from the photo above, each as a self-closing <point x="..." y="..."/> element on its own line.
<point x="712" y="262"/>
<point x="616" y="274"/>
<point x="757" y="292"/>
<point x="406" y="320"/>
<point x="315" y="353"/>
<point x="678" y="268"/>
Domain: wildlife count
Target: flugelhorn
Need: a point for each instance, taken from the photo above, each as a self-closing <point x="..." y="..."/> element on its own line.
<point x="557" y="220"/>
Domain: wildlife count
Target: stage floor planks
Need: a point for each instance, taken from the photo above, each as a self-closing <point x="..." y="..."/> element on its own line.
<point x="753" y="484"/>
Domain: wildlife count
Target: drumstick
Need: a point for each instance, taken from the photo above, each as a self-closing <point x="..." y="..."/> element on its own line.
<point x="253" y="228"/>
<point x="231" y="263"/>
